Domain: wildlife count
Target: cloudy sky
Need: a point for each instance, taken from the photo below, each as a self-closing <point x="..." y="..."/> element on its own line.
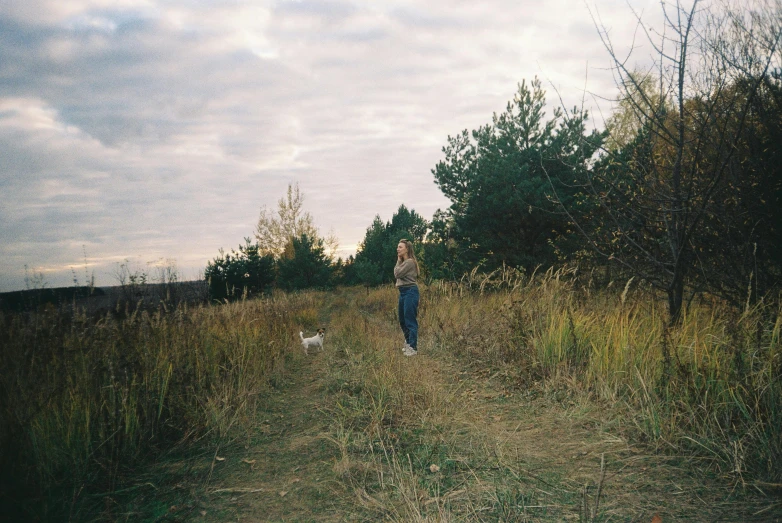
<point x="155" y="131"/>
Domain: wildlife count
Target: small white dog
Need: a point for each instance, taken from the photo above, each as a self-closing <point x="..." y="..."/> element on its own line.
<point x="314" y="341"/>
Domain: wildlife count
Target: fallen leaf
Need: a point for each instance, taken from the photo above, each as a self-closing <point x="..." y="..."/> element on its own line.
<point x="657" y="519"/>
<point x="283" y="493"/>
<point x="203" y="512"/>
<point x="295" y="480"/>
<point x="218" y="458"/>
<point x="248" y="461"/>
<point x="434" y="468"/>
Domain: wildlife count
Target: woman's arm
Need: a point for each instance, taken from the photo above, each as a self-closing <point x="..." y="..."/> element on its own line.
<point x="406" y="270"/>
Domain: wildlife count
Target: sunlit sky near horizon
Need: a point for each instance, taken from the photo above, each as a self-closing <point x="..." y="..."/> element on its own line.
<point x="149" y="130"/>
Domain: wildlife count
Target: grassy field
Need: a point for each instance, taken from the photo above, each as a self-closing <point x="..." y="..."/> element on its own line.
<point x="87" y="401"/>
<point x="531" y="400"/>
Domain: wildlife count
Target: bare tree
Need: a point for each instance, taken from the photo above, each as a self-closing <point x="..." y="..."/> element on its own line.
<point x="656" y="190"/>
<point x="277" y="229"/>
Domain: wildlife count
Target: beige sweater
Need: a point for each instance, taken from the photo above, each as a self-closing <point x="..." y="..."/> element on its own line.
<point x="405" y="273"/>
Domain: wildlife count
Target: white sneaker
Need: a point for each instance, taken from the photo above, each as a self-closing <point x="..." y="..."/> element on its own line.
<point x="406" y="347"/>
<point x="409" y="351"/>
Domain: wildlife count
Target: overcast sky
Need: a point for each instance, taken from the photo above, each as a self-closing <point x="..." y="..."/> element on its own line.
<point x="157" y="130"/>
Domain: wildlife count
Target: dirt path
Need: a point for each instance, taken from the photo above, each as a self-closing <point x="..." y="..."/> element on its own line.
<point x="504" y="455"/>
<point x="284" y="472"/>
<point x="571" y="456"/>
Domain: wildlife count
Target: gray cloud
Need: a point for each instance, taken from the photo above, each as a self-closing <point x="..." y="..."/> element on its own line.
<point x="149" y="130"/>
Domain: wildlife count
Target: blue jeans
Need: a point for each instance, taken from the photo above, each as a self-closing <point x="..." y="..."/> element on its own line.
<point x="408" y="312"/>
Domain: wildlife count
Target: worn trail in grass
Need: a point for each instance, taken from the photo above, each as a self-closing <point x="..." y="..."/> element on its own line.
<point x="283" y="472"/>
<point x="358" y="432"/>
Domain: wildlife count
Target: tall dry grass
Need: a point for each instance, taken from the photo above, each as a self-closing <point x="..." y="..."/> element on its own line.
<point x="386" y="409"/>
<point x="412" y="445"/>
<point x="86" y="400"/>
<point x="710" y="385"/>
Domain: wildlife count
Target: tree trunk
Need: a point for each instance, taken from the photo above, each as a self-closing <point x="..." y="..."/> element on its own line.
<point x="676" y="298"/>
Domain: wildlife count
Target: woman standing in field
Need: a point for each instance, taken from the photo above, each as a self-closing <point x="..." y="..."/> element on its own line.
<point x="406" y="272"/>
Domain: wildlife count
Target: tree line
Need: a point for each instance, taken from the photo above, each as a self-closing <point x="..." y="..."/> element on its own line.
<point x="682" y="188"/>
<point x="288" y="251"/>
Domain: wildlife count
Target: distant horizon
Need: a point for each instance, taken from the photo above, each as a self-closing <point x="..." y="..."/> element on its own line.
<point x="156" y="133"/>
<point x="82" y="286"/>
<point x="114" y="282"/>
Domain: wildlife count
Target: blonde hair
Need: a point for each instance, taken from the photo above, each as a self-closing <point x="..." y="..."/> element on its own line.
<point x="411" y="253"/>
